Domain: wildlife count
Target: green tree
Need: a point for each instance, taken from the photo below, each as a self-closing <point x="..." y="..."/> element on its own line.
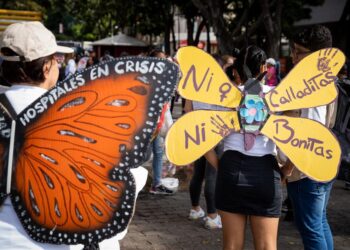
<point x="237" y="21"/>
<point x="213" y="11"/>
<point x="21" y="5"/>
<point x="192" y="14"/>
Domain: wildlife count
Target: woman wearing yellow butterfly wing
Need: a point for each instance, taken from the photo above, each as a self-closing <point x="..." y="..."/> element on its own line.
<point x="318" y="150"/>
<point x="316" y="156"/>
<point x="248" y="182"/>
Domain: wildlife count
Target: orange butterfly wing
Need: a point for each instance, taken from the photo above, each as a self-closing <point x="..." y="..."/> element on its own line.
<point x="72" y="177"/>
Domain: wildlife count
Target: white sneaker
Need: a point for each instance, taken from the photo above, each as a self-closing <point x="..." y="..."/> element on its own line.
<point x="213" y="223"/>
<point x="195" y="215"/>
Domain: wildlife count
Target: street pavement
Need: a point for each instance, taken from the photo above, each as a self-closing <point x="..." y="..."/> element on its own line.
<point x="160" y="222"/>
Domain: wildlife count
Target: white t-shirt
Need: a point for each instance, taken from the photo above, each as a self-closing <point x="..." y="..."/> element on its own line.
<point x="206" y="106"/>
<point x="262" y="146"/>
<point x="235" y="141"/>
<point x="317" y="114"/>
<point x="71" y="68"/>
<point x="12" y="233"/>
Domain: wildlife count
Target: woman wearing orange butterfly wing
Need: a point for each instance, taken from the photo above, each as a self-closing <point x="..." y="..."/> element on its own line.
<point x="248" y="179"/>
<point x="309" y="197"/>
<point x="42" y="71"/>
<point x="72" y="182"/>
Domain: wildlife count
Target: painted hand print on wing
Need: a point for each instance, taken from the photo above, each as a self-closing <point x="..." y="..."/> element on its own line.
<point x="308" y="144"/>
<point x="310" y="83"/>
<point x="221" y="128"/>
<point x="196" y="132"/>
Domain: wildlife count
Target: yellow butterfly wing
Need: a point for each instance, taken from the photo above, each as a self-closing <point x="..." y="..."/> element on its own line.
<point x="204" y="80"/>
<point x="310" y="83"/>
<point x="195" y="133"/>
<point x="312" y="148"/>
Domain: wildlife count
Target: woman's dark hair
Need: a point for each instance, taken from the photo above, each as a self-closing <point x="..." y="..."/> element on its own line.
<point x="235" y="52"/>
<point x="155" y="52"/>
<point x="229" y="72"/>
<point x="314" y="38"/>
<point x="218" y="59"/>
<point x="249" y="61"/>
<point x="23" y="72"/>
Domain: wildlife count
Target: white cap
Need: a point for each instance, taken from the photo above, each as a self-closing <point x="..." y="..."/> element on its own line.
<point x="271" y="61"/>
<point x="30" y="40"/>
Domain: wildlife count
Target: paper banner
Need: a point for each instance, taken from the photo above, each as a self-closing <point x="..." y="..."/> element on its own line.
<point x="197" y="132"/>
<point x="311" y="147"/>
<point x="310" y="83"/>
<point x="204" y="80"/>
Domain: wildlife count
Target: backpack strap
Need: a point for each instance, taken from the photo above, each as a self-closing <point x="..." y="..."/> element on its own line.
<point x="5" y="187"/>
<point x="7" y="106"/>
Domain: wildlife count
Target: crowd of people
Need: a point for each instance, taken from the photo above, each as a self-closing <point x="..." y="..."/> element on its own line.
<point x="241" y="183"/>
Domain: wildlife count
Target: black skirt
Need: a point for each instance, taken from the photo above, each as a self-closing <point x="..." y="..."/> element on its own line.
<point x="249" y="185"/>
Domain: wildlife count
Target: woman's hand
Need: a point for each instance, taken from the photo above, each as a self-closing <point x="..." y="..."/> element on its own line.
<point x="212" y="158"/>
<point x="287" y="170"/>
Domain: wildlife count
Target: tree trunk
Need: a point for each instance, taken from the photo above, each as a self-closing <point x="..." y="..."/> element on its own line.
<point x="341" y="39"/>
<point x="208" y="38"/>
<point x="189" y="24"/>
<point x="167" y="37"/>
<point x="199" y="31"/>
<point x="174" y="38"/>
<point x="212" y="10"/>
<point x="272" y="27"/>
<point x="169" y="19"/>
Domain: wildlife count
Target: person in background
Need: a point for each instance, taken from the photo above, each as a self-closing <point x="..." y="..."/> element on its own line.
<point x="342" y="123"/>
<point x="343" y="74"/>
<point x="94" y="60"/>
<point x="271" y="75"/>
<point x="231" y="71"/>
<point x="310" y="198"/>
<point x="124" y="53"/>
<point x="89" y="62"/>
<point x="82" y="63"/>
<point x="227" y="60"/>
<point x="71" y="66"/>
<point x="106" y="56"/>
<point x="203" y="171"/>
<point x="157" y="149"/>
<point x="60" y="58"/>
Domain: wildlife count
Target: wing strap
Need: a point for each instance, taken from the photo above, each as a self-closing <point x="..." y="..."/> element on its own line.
<point x="7" y="105"/>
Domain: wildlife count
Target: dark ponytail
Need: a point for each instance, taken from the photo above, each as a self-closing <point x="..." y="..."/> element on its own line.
<point x="23" y="72"/>
<point x="249" y="61"/>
